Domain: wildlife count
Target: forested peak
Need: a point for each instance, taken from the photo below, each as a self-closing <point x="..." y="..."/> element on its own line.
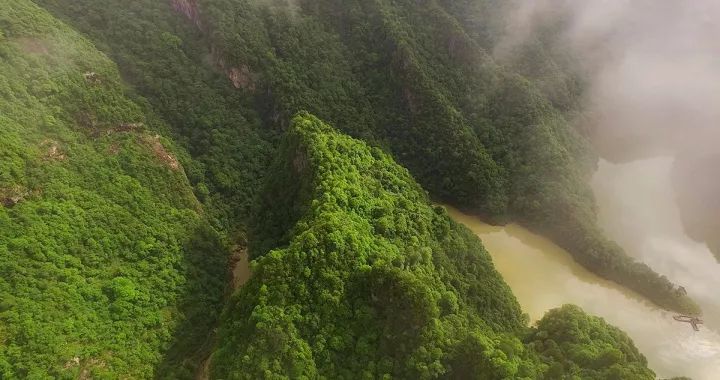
<point x="145" y="145"/>
<point x="376" y="273"/>
<point x="371" y="280"/>
<point x="306" y="123"/>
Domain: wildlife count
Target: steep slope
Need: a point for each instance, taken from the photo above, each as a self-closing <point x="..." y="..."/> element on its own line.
<point x="374" y="280"/>
<point x="536" y="50"/>
<point x="110" y="269"/>
<point x="107" y="265"/>
<point x="412" y="78"/>
<point x="540" y="161"/>
<point x="369" y="280"/>
<point x="168" y="62"/>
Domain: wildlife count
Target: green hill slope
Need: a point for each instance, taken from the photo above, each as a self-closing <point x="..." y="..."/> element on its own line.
<point x="577" y="346"/>
<point x="369" y="280"/>
<point x="114" y="239"/>
<point x="416" y="79"/>
<point x="107" y="263"/>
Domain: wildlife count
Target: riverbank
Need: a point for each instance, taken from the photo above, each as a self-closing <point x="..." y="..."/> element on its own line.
<point x="543" y="276"/>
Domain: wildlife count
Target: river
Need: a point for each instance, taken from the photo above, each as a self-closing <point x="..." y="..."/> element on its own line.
<point x="543" y="276"/>
<point x="638" y="210"/>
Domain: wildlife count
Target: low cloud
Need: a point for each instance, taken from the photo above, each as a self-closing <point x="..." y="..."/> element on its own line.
<point x="653" y="66"/>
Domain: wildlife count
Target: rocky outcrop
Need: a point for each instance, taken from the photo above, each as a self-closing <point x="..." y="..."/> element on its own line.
<point x="240" y="75"/>
<point x="161" y="153"/>
<point x="33" y="45"/>
<point x="92" y="77"/>
<point x="11" y="196"/>
<point x="52" y="150"/>
<point x="188" y="8"/>
<point x="300" y="161"/>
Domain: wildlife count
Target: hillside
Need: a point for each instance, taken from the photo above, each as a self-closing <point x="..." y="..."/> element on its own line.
<point x="415" y="79"/>
<point x="140" y="142"/>
<point x="107" y="263"/>
<point x="370" y="280"/>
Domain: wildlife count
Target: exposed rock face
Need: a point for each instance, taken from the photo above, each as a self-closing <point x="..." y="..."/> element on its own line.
<point x="241" y="77"/>
<point x="161" y="153"/>
<point x="189" y="8"/>
<point x="52" y="151"/>
<point x="9" y="197"/>
<point x="300" y="161"/>
<point x="92" y="77"/>
<point x="410" y="100"/>
<point x="127" y="127"/>
<point x="33" y="45"/>
<point x="240" y="267"/>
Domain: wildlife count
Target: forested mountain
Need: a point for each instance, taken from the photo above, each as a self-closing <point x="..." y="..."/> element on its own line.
<point x="369" y="280"/>
<point x="108" y="265"/>
<point x="139" y="140"/>
<point x="413" y="78"/>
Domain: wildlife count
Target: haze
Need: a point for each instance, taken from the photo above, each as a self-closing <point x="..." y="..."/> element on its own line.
<point x="653" y="106"/>
<point x="654" y="69"/>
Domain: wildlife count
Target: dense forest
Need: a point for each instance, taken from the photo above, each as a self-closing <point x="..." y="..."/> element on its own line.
<point x="140" y="140"/>
<point x="415" y="79"/>
<point x="108" y="264"/>
<point x="370" y="280"/>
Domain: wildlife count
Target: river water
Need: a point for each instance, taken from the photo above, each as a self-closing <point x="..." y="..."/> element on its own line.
<point x="637" y="209"/>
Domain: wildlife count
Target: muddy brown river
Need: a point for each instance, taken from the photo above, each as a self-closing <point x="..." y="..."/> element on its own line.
<point x="543" y="276"/>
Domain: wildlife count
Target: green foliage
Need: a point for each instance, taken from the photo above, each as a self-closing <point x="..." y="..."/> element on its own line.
<point x="372" y="281"/>
<point x="537" y="53"/>
<point x="168" y="63"/>
<point x="106" y="262"/>
<point x="413" y="78"/>
<point x="107" y="256"/>
<point x="577" y="346"/>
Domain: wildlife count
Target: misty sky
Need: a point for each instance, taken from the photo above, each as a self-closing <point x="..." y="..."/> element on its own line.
<point x="655" y="68"/>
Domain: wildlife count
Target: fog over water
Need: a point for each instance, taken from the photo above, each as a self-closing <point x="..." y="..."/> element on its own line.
<point x="653" y="71"/>
<point x="638" y="210"/>
<point x="543" y="276"/>
<point x="653" y="95"/>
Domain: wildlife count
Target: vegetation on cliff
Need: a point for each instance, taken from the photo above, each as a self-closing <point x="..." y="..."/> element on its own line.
<point x="370" y="280"/>
<point x="169" y="64"/>
<point x="113" y="238"/>
<point x="415" y="79"/>
<point x="107" y="265"/>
